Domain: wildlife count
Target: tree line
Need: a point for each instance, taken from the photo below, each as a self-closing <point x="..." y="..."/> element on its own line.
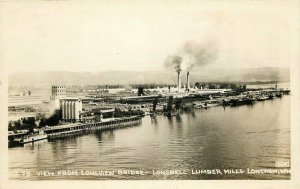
<point x="31" y="122"/>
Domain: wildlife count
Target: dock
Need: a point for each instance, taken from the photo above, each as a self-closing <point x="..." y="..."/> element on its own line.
<point x="61" y="131"/>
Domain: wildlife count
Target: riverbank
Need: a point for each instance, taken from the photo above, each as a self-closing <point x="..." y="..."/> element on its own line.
<point x="62" y="131"/>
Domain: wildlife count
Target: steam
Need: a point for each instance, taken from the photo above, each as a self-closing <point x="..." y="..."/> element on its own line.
<point x="192" y="55"/>
<point x="51" y="110"/>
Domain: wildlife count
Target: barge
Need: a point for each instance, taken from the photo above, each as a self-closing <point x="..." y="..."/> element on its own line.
<point x="25" y="137"/>
<point x="31" y="138"/>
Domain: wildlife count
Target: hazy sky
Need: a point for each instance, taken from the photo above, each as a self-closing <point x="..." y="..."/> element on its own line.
<point x="100" y="36"/>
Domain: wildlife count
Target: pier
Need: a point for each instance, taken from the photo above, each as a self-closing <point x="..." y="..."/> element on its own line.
<point x="68" y="130"/>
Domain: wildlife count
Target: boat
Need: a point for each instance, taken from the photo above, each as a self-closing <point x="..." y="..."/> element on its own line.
<point x="262" y="98"/>
<point x="212" y="103"/>
<point x="199" y="105"/>
<point x="31" y="138"/>
<point x="272" y="96"/>
<point x="249" y="100"/>
<point x="241" y="101"/>
<point x="279" y="94"/>
<point x="236" y="102"/>
<point x="207" y="104"/>
<point x="226" y="102"/>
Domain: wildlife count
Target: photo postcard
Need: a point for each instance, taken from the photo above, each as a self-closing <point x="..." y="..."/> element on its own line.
<point x="200" y="92"/>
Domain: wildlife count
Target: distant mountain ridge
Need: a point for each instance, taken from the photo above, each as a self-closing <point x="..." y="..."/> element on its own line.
<point x="47" y="78"/>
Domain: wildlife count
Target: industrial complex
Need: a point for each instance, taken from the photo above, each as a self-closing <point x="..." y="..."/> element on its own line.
<point x="70" y="111"/>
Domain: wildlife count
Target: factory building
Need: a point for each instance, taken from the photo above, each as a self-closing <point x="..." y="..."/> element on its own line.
<point x="71" y="109"/>
<point x="58" y="92"/>
<point x="96" y="115"/>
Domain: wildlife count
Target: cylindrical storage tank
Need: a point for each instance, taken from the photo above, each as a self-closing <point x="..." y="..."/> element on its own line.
<point x="63" y="110"/>
<point x="76" y="113"/>
<point x="68" y="110"/>
<point x="71" y="109"/>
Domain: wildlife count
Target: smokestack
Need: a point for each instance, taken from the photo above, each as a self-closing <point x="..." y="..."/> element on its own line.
<point x="187" y="81"/>
<point x="178" y="81"/>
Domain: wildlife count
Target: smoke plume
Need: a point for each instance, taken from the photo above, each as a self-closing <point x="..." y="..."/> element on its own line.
<point x="175" y="62"/>
<point x="192" y="55"/>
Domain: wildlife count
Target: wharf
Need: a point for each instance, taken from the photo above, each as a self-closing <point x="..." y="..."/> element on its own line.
<point x="68" y="130"/>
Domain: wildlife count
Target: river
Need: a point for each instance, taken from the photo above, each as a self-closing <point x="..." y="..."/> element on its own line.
<point x="236" y="138"/>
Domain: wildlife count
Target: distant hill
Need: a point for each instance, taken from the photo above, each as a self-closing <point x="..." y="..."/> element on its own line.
<point x="134" y="77"/>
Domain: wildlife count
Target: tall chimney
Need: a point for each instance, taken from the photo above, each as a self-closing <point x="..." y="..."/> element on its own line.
<point x="187" y="81"/>
<point x="178" y="81"/>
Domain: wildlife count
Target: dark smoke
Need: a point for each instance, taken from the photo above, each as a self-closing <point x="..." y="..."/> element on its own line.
<point x="192" y="55"/>
<point x="175" y="62"/>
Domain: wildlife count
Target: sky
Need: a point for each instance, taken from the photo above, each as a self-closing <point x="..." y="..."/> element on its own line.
<point x="139" y="35"/>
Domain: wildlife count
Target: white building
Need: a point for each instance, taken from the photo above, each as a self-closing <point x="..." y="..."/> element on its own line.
<point x="71" y="109"/>
<point x="58" y="92"/>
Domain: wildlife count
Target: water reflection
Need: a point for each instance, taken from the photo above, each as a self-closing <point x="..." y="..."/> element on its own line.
<point x="154" y="120"/>
<point x="105" y="135"/>
<point x="178" y="119"/>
